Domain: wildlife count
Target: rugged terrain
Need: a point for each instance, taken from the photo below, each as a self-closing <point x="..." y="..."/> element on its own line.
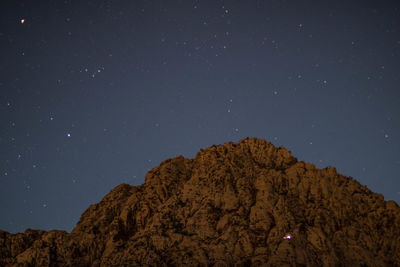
<point x="245" y="203"/>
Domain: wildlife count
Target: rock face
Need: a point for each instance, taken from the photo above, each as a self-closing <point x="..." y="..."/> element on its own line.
<point x="241" y="204"/>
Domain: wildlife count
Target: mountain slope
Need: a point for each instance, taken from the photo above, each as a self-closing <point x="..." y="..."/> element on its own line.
<point x="233" y="204"/>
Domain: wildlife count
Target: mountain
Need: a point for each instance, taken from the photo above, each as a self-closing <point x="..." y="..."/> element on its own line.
<point x="245" y="203"/>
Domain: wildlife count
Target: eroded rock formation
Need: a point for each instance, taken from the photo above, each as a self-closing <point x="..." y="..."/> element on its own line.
<point x="241" y="204"/>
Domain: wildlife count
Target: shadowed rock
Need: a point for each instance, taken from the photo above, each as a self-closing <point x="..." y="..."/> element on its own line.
<point x="248" y="203"/>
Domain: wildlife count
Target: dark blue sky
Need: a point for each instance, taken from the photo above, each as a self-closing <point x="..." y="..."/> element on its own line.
<point x="95" y="93"/>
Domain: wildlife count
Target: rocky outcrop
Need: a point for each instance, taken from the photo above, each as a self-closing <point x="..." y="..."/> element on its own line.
<point x="245" y="203"/>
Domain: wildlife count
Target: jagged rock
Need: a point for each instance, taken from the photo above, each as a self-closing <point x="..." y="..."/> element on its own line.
<point x="248" y="203"/>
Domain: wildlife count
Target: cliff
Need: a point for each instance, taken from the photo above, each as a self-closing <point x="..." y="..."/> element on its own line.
<point x="245" y="203"/>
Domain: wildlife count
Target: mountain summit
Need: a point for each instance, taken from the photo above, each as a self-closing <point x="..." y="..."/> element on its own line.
<point x="245" y="203"/>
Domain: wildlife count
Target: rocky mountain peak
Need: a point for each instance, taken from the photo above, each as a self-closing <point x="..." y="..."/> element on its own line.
<point x="245" y="203"/>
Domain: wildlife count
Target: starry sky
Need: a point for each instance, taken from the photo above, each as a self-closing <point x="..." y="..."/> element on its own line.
<point x="96" y="93"/>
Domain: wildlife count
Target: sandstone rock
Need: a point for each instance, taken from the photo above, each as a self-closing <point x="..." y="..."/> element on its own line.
<point x="241" y="204"/>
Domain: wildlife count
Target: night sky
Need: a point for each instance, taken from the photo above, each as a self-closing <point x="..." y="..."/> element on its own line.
<point x="96" y="93"/>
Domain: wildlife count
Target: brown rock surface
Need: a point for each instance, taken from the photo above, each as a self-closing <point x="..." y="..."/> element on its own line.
<point x="232" y="204"/>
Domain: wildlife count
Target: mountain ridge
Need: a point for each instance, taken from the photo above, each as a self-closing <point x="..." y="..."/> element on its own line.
<point x="245" y="203"/>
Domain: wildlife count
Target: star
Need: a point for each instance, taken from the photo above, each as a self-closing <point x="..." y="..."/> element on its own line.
<point x="22" y="21"/>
